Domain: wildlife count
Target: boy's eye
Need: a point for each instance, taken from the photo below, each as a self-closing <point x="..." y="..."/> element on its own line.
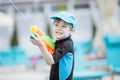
<point x="56" y="25"/>
<point x="64" y="26"/>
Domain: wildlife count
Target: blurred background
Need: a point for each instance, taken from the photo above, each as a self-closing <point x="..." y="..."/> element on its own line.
<point x="96" y="39"/>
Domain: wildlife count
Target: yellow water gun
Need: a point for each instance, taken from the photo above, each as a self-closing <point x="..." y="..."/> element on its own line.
<point x="46" y="39"/>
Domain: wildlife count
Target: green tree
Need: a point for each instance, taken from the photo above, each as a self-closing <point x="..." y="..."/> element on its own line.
<point x="14" y="39"/>
<point x="49" y="33"/>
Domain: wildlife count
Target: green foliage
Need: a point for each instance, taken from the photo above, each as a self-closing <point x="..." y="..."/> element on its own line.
<point x="94" y="30"/>
<point x="93" y="36"/>
<point x="49" y="33"/>
<point x="14" y="40"/>
<point x="61" y="7"/>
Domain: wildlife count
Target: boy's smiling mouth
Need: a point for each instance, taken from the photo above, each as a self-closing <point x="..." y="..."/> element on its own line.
<point x="59" y="33"/>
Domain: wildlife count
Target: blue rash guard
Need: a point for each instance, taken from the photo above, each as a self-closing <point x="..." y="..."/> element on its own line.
<point x="64" y="60"/>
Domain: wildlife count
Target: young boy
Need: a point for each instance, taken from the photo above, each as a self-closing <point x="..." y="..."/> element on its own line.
<point x="62" y="60"/>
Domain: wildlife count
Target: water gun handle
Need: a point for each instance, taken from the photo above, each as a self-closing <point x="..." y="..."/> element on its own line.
<point x="46" y="39"/>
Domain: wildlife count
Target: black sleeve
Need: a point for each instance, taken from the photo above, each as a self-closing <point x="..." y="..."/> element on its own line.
<point x="62" y="50"/>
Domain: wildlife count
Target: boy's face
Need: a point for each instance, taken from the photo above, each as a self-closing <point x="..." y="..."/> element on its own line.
<point x="61" y="29"/>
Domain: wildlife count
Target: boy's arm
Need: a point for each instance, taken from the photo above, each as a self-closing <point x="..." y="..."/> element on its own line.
<point x="46" y="55"/>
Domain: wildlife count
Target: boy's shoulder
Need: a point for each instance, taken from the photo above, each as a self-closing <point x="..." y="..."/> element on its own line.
<point x="68" y="42"/>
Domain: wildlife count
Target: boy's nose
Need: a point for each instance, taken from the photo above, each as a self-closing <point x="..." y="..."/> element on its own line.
<point x="58" y="27"/>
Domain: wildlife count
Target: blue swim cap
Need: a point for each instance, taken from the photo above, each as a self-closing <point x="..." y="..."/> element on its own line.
<point x="67" y="17"/>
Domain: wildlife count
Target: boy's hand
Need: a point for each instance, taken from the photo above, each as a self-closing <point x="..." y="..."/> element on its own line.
<point x="36" y="40"/>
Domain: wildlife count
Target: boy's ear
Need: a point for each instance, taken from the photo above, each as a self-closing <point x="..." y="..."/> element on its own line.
<point x="72" y="30"/>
